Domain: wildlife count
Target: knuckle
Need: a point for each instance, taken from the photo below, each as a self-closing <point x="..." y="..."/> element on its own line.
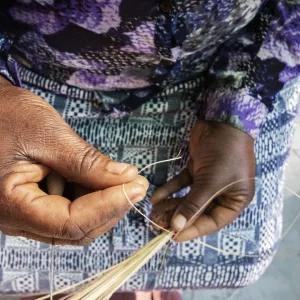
<point x="117" y="213"/>
<point x="247" y="195"/>
<point x="89" y="159"/>
<point x="143" y="182"/>
<point x="113" y="212"/>
<point x="85" y="241"/>
<point x="72" y="231"/>
<point x="189" y="208"/>
<point x="7" y="186"/>
<point x="25" y="234"/>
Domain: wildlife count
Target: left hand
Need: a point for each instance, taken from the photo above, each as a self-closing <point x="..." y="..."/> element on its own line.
<point x="219" y="156"/>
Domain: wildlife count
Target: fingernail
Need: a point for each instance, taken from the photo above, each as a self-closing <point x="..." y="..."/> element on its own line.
<point x="116" y="167"/>
<point x="137" y="199"/>
<point x="179" y="222"/>
<point x="135" y="192"/>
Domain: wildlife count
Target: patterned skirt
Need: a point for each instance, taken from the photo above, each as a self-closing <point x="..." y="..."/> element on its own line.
<point x="158" y="130"/>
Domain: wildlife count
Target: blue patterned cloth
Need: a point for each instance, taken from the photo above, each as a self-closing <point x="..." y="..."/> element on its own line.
<point x="131" y="77"/>
<point x="155" y="131"/>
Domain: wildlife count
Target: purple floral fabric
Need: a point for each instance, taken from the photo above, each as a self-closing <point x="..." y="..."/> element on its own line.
<point x="247" y="50"/>
<point x="83" y="80"/>
<point x="8" y="67"/>
<point x="238" y="108"/>
<point x="48" y="17"/>
<point x="252" y="67"/>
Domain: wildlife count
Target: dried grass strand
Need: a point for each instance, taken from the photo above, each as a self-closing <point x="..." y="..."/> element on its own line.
<point x="160" y="162"/>
<point x="75" y="285"/>
<point x="142" y="214"/>
<point x="105" y="286"/>
<point x="113" y="278"/>
<point x="134" y="207"/>
<point x="192" y="219"/>
<point x="140" y="259"/>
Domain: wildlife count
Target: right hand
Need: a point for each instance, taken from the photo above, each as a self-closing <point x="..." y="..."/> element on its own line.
<point x="34" y="141"/>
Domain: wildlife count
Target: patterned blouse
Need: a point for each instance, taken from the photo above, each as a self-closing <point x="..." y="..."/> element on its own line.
<point x="247" y="50"/>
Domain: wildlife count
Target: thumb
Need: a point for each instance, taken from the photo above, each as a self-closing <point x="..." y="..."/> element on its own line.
<point x="76" y="160"/>
<point x="191" y="206"/>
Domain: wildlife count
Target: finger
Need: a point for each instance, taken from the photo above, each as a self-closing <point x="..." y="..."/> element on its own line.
<point x="118" y="212"/>
<point x="68" y="154"/>
<point x="83" y="241"/>
<point x="206" y="224"/>
<point x="47" y="240"/>
<point x="192" y="205"/>
<point x="163" y="219"/>
<point x="73" y="191"/>
<point x="177" y="183"/>
<point x="167" y="205"/>
<point x="163" y="212"/>
<point x="112" y="203"/>
<point x="54" y="216"/>
<point x="55" y="184"/>
<point x="23" y="172"/>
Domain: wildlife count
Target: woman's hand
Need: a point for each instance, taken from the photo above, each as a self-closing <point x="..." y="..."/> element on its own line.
<point x="219" y="156"/>
<point x="35" y="140"/>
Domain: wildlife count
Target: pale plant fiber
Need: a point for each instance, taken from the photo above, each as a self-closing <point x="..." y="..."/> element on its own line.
<point x="103" y="285"/>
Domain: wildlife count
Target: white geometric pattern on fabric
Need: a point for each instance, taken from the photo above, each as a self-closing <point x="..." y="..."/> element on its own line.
<point x="77" y="108"/>
<point x="190" y="264"/>
<point x="229" y="243"/>
<point x="67" y="279"/>
<point x="26" y="284"/>
<point x="20" y="242"/>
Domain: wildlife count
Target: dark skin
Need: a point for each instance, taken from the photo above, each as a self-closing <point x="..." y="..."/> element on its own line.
<point x="36" y="140"/>
<point x="219" y="156"/>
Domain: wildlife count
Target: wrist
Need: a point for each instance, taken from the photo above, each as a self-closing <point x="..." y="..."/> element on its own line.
<point x="4" y="82"/>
